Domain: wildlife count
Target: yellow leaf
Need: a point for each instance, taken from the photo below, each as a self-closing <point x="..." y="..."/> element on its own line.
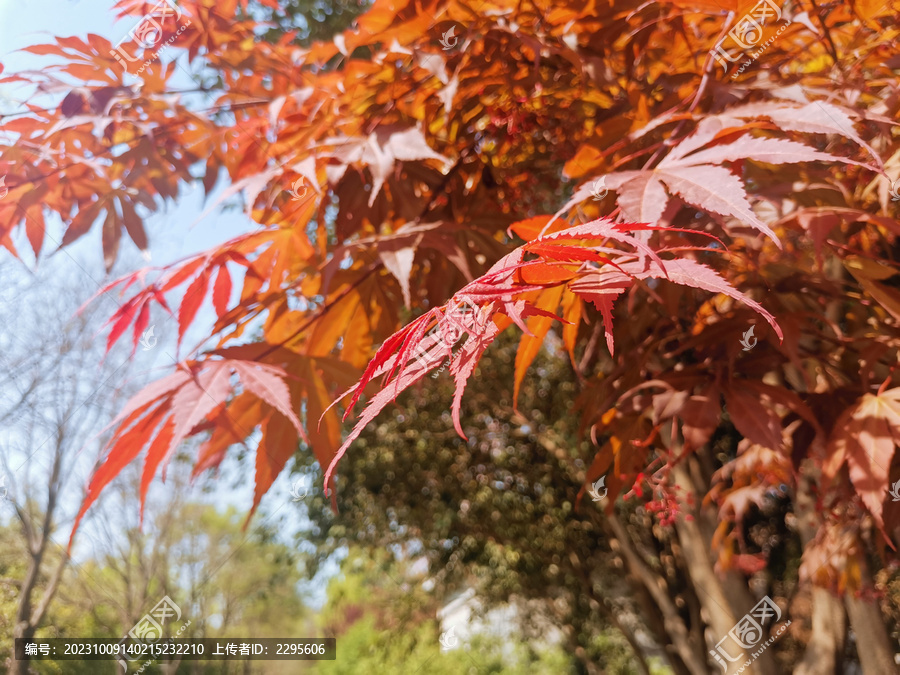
<point x="332" y="325"/>
<point x="529" y="345"/>
<point x="868" y="273"/>
<point x="572" y="309"/>
<point x="586" y="161"/>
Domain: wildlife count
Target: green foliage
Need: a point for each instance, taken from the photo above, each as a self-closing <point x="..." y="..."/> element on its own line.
<point x="365" y="649"/>
<point x="12" y="571"/>
<point x="67" y="616"/>
<point x="227" y="581"/>
<point x="311" y="19"/>
<point x="359" y="598"/>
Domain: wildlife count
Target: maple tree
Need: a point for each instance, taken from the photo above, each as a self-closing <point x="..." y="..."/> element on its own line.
<point x="585" y="168"/>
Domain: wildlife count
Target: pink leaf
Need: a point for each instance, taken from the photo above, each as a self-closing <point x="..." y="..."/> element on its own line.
<point x="266" y="382"/>
<point x="817" y="117"/>
<point x="194" y="401"/>
<point x="602" y="288"/>
<point x="769" y="150"/>
<point x="464" y="365"/>
<point x="643" y="199"/>
<point x="399" y="263"/>
<point x="714" y="189"/>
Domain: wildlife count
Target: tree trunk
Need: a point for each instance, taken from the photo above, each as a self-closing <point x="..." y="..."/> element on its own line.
<point x="610" y="613"/>
<point x="655" y="586"/>
<point x="24" y="632"/>
<point x="655" y="623"/>
<point x="28" y="620"/>
<point x="24" y="628"/>
<point x="829" y="627"/>
<point x="875" y="654"/>
<point x="826" y="638"/>
<point x="695" y="537"/>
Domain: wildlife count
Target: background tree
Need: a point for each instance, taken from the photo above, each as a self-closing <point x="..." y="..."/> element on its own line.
<point x="225" y="579"/>
<point x="56" y="393"/>
<point x="308" y="21"/>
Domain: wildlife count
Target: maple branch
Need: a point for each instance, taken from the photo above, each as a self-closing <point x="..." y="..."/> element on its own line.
<point x="442" y="186"/>
<point x="643" y="151"/>
<point x="100" y="153"/>
<point x="589" y="350"/>
<point x="158" y="131"/>
<point x="610" y="613"/>
<point x="50" y="591"/>
<point x="829" y="43"/>
<point x="708" y="66"/>
<point x="658" y="589"/>
<point x="324" y="309"/>
<point x="27" y="112"/>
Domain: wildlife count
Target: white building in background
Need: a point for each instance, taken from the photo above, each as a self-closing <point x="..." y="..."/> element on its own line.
<point x="461" y="615"/>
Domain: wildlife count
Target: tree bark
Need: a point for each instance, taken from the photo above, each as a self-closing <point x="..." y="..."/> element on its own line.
<point x="610" y="614"/>
<point x="872" y="645"/>
<point x="695" y="537"/>
<point x="674" y="625"/>
<point x="27" y="621"/>
<point x="826" y="638"/>
<point x="829" y="626"/>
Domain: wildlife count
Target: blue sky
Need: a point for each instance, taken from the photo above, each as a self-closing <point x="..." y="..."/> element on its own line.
<point x="170" y="232"/>
<point x="19" y="22"/>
